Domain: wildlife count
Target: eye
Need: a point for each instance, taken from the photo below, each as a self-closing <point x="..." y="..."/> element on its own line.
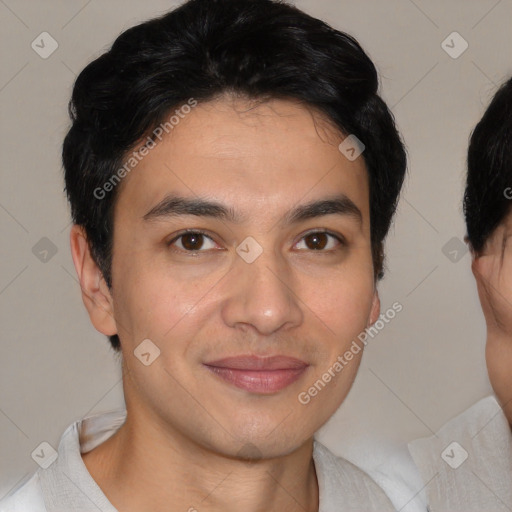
<point x="197" y="241"/>
<point x="320" y="241"/>
<point x="193" y="241"/>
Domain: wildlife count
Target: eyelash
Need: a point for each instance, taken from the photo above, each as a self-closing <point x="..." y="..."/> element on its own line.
<point x="338" y="237"/>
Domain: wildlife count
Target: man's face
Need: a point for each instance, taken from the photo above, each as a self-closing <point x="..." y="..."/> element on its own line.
<point x="208" y="296"/>
<point x="493" y="273"/>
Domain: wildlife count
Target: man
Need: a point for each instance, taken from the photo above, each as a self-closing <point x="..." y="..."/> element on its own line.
<point x="467" y="466"/>
<point x="232" y="174"/>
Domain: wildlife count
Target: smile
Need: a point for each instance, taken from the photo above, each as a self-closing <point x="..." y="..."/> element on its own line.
<point x="259" y="375"/>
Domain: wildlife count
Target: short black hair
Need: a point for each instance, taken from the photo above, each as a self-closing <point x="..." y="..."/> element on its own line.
<point x="488" y="194"/>
<point x="259" y="49"/>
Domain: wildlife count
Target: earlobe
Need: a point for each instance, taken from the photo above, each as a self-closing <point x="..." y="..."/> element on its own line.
<point x="95" y="293"/>
<point x="375" y="311"/>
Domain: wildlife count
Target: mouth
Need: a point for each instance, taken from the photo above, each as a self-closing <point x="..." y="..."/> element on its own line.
<point x="263" y="375"/>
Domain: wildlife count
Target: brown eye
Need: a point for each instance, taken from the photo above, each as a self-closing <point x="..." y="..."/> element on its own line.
<point x="193" y="241"/>
<point x="320" y="241"/>
<point x="316" y="241"/>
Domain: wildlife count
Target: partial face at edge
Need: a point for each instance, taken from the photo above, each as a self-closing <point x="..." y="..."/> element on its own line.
<point x="307" y="295"/>
<point x="493" y="273"/>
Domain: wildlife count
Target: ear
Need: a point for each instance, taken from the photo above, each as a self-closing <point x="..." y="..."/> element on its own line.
<point x="95" y="292"/>
<point x="375" y="311"/>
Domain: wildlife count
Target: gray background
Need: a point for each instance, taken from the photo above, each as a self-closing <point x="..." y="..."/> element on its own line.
<point x="426" y="366"/>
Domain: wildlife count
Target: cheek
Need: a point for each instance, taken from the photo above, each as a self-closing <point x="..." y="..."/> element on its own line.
<point x="148" y="304"/>
<point x="158" y="301"/>
<point x="342" y="302"/>
<point x="499" y="365"/>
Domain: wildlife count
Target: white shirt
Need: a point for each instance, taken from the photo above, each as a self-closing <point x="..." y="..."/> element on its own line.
<point x="401" y="480"/>
<point x="67" y="486"/>
<point x="467" y="465"/>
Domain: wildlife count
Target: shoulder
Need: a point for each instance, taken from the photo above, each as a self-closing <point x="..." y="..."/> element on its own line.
<point x="53" y="485"/>
<point x="486" y="415"/>
<point x="482" y="429"/>
<point x="340" y="481"/>
<point x="401" y="480"/>
<point x="466" y="465"/>
<point x="26" y="497"/>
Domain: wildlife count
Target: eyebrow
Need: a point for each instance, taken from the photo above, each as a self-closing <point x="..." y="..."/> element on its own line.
<point x="176" y="206"/>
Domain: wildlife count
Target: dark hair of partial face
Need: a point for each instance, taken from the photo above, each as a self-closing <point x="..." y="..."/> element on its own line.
<point x="258" y="49"/>
<point x="488" y="193"/>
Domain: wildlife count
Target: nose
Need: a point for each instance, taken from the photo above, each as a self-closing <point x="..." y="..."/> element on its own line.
<point x="261" y="296"/>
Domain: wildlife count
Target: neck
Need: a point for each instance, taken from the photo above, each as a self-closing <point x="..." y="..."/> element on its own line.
<point x="143" y="467"/>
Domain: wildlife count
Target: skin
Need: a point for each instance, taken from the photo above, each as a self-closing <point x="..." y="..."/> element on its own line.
<point x="180" y="446"/>
<point x="493" y="273"/>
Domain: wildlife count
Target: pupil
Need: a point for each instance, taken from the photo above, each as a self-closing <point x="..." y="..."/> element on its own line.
<point x="192" y="241"/>
<point x="319" y="241"/>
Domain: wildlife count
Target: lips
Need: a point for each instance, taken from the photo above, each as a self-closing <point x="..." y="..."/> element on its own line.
<point x="264" y="375"/>
<point x="255" y="363"/>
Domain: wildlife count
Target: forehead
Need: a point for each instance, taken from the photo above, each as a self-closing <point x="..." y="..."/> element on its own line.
<point x="261" y="156"/>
